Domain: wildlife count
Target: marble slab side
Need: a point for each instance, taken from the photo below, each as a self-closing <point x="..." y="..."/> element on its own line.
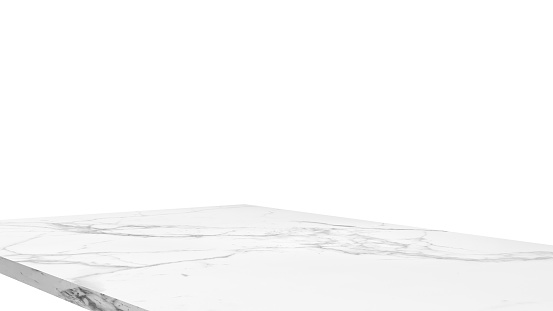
<point x="78" y="295"/>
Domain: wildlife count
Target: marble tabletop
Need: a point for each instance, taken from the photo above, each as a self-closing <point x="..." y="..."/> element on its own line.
<point x="249" y="258"/>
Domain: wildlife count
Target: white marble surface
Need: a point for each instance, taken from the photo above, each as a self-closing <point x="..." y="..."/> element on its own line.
<point x="247" y="258"/>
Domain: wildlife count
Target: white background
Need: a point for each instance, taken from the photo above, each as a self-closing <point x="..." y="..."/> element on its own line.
<point x="435" y="114"/>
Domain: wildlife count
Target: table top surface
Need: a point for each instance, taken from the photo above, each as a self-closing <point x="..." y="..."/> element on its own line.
<point x="246" y="258"/>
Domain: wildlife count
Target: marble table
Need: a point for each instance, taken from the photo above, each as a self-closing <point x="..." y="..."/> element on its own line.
<point x="248" y="258"/>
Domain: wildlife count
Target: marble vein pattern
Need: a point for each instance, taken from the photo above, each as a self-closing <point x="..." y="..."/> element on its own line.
<point x="249" y="258"/>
